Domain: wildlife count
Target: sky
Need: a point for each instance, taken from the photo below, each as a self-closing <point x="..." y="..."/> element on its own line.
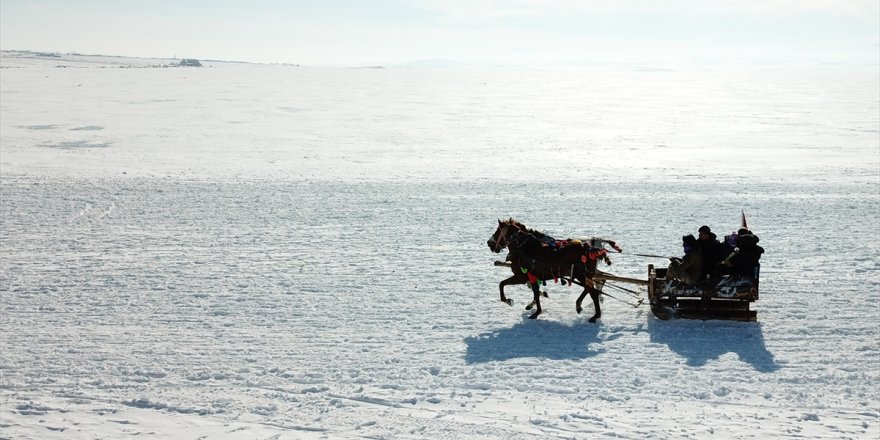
<point x="667" y="33"/>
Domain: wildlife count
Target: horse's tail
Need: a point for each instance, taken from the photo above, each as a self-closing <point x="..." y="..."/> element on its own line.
<point x="591" y="255"/>
<point x="600" y="242"/>
<point x="594" y="254"/>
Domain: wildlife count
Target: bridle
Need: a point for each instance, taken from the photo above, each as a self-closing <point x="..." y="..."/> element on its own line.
<point x="512" y="242"/>
<point x="501" y="233"/>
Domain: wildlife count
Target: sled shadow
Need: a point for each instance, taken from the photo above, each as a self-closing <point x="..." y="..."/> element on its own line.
<point x="536" y="339"/>
<point x="701" y="341"/>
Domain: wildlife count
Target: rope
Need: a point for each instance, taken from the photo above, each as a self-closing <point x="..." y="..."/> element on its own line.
<point x="636" y="304"/>
<point x="632" y="292"/>
<point x="624" y="301"/>
<point x="647" y="255"/>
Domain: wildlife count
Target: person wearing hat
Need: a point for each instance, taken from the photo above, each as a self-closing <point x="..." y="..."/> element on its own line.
<point x="745" y="259"/>
<point x="711" y="249"/>
<point x="688" y="269"/>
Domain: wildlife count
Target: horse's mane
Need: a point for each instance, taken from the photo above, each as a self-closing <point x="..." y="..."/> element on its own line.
<point x="537" y="234"/>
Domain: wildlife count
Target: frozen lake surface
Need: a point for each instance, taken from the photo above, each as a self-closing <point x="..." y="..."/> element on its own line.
<point x="273" y="252"/>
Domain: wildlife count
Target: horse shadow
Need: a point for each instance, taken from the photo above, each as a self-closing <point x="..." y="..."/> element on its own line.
<point x="534" y="339"/>
<point x="701" y="341"/>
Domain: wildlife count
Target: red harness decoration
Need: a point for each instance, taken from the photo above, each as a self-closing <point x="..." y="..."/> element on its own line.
<point x="532" y="278"/>
<point x="594" y="254"/>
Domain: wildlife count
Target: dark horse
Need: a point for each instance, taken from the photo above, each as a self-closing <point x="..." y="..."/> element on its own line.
<point x="536" y="257"/>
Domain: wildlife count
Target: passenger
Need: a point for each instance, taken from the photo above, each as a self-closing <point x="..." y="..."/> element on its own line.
<point x="725" y="267"/>
<point x="690" y="268"/>
<point x="729" y="244"/>
<point x="745" y="259"/>
<point x="711" y="250"/>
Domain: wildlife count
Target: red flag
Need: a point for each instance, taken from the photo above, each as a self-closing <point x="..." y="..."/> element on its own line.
<point x="742" y="222"/>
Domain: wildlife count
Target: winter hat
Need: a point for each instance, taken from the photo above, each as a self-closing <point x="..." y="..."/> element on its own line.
<point x="704" y="229"/>
<point x="731" y="240"/>
<point x="689" y="240"/>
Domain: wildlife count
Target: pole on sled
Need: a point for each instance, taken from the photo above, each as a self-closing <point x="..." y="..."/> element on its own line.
<point x="648" y="255"/>
<point x="635" y="304"/>
<point x="601" y="276"/>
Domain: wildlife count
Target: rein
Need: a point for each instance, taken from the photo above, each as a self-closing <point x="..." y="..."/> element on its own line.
<point x="502" y="235"/>
<point x="519" y="237"/>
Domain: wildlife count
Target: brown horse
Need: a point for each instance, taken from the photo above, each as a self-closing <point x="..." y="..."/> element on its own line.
<point x="536" y="257"/>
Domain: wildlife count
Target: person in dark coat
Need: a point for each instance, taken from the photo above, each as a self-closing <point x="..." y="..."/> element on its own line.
<point x="688" y="269"/>
<point x="711" y="249"/>
<point x="745" y="259"/>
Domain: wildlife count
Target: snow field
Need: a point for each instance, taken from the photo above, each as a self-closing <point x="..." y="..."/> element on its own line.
<point x="355" y="310"/>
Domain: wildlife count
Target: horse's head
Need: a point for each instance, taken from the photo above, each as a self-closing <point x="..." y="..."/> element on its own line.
<point x="502" y="236"/>
<point x="498" y="240"/>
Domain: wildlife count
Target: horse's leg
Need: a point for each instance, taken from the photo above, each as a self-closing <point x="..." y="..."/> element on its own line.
<point x="542" y="293"/>
<point x="532" y="304"/>
<point x="536" y="290"/>
<point x="577" y="304"/>
<point x="580" y="276"/>
<point x="594" y="295"/>
<point x="515" y="279"/>
<point x="587" y="283"/>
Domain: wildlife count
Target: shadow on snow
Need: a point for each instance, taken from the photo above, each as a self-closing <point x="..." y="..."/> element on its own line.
<point x="697" y="341"/>
<point x="538" y="339"/>
<point x="701" y="341"/>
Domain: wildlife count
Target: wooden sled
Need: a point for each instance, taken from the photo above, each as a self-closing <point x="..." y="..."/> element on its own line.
<point x="727" y="297"/>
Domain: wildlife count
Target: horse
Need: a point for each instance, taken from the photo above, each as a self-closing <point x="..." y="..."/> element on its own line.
<point x="535" y="257"/>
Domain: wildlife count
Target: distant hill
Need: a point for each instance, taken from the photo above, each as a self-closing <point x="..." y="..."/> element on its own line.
<point x="30" y="58"/>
